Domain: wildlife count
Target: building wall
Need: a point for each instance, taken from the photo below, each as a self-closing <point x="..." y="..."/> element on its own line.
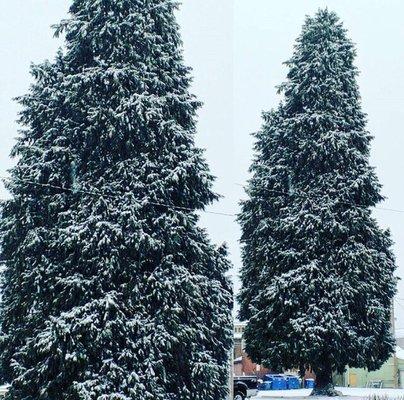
<point x="238" y="369"/>
<point x="389" y="375"/>
<point x="238" y="348"/>
<point x="245" y="366"/>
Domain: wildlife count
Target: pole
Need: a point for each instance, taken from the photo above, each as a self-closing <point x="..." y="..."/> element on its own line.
<point x="395" y="361"/>
<point x="231" y="376"/>
<point x="231" y="370"/>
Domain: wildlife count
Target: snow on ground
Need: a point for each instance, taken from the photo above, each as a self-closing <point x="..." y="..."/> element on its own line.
<point x="355" y="393"/>
<point x="283" y="393"/>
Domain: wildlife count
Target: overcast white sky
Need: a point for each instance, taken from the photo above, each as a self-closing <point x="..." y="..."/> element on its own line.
<point x="237" y="48"/>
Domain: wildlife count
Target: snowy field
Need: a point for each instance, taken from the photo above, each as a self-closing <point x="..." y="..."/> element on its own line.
<point x="362" y="393"/>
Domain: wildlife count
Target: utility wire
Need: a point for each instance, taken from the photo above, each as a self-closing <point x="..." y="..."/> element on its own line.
<point x="389" y="209"/>
<point x="306" y="196"/>
<point x="98" y="194"/>
<point x="170" y="206"/>
<point x="397" y="302"/>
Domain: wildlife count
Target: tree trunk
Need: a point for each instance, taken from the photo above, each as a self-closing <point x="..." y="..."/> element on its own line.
<point x="324" y="385"/>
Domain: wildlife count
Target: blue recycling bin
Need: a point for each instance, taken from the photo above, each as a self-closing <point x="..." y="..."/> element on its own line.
<point x="293" y="382"/>
<point x="279" y="383"/>
<point x="265" y="386"/>
<point x="275" y="382"/>
<point x="309" y="384"/>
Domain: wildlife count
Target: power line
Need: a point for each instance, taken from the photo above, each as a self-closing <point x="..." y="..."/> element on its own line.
<point x="98" y="194"/>
<point x="397" y="302"/>
<point x="307" y="196"/>
<point x="389" y="209"/>
<point x="170" y="206"/>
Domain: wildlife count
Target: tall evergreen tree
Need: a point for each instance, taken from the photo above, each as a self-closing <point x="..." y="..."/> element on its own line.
<point x="318" y="274"/>
<point x="111" y="290"/>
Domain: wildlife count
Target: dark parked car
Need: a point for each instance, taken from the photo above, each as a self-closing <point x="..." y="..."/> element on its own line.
<point x="245" y="386"/>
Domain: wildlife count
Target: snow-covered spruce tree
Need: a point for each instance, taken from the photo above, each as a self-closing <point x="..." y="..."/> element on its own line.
<point x="318" y="274"/>
<point x="111" y="290"/>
